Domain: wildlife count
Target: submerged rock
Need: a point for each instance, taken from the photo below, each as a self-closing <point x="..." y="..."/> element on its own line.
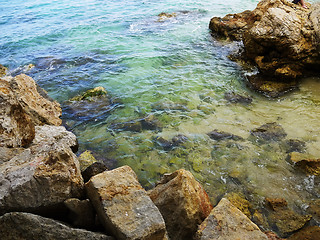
<point x="25" y="226"/>
<point x="133" y="126"/>
<point x="183" y="203"/>
<point x="124" y="207"/>
<point x="228" y="222"/>
<point x="237" y="98"/>
<point x="295" y="145"/>
<point x="91" y="94"/>
<point x="268" y="132"/>
<point x="308" y="233"/>
<point x="306" y="162"/>
<point x="164" y="16"/>
<point x="221" y="135"/>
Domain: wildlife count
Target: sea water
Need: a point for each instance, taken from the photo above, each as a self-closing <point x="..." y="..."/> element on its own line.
<point x="173" y="71"/>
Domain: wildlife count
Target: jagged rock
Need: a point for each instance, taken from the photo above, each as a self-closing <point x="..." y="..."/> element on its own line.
<point x="237" y="98"/>
<point x="123" y="206"/>
<point x="295" y="145"/>
<point x="308" y="233"/>
<point x="86" y="159"/>
<point x="228" y="223"/>
<point x="92" y="170"/>
<point x="221" y="135"/>
<point x="41" y="110"/>
<point x="164" y="16"/>
<point x="16" y="126"/>
<point x="27" y="226"/>
<point x="240" y="202"/>
<point x="91" y="94"/>
<point x="306" y="162"/>
<point x="43" y="175"/>
<point x="3" y="70"/>
<point x="183" y="203"/>
<point x="276" y="203"/>
<point x="7" y="153"/>
<point x="81" y="213"/>
<point x="268" y="132"/>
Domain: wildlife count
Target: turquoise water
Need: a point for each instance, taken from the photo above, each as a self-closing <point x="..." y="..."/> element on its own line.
<point x="172" y="71"/>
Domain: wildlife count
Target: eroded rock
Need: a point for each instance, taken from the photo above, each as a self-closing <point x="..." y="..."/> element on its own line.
<point x="308" y="233"/>
<point x="268" y="132"/>
<point x="306" y="162"/>
<point x="94" y="169"/>
<point x="221" y="135"/>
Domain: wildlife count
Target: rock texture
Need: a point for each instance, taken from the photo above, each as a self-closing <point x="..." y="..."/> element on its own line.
<point x="308" y="233"/>
<point x="123" y="206"/>
<point x="182" y="202"/>
<point x="226" y="222"/>
<point x="280" y="37"/>
<point x="26" y="226"/>
<point x="305" y="162"/>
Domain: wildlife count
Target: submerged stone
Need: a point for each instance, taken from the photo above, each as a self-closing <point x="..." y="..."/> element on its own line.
<point x="268" y="132"/>
<point x="295" y="145"/>
<point x="133" y="126"/>
<point x="164" y="16"/>
<point x="308" y="233"/>
<point x="221" y="135"/>
<point x="306" y="162"/>
<point x="90" y="94"/>
<point x="237" y="98"/>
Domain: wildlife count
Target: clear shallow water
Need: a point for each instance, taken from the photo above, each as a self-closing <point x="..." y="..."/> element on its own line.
<point x="171" y="70"/>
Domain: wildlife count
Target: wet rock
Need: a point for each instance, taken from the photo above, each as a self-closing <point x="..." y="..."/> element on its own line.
<point x="164" y="16"/>
<point x="43" y="175"/>
<point x="221" y="135"/>
<point x="308" y="233"/>
<point x="314" y="210"/>
<point x="228" y="222"/>
<point x="151" y="123"/>
<point x="240" y="202"/>
<point x="165" y="144"/>
<point x="182" y="202"/>
<point x="306" y="162"/>
<point x="124" y="207"/>
<point x="237" y="98"/>
<point x="16" y="126"/>
<point x="295" y="145"/>
<point x="276" y="203"/>
<point x="23" y="226"/>
<point x="179" y="139"/>
<point x="165" y="106"/>
<point x="268" y="132"/>
<point x="92" y="170"/>
<point x="91" y="94"/>
<point x="3" y="70"/>
<point x="81" y="213"/>
<point x="133" y="126"/>
<point x="86" y="159"/>
<point x="273" y="236"/>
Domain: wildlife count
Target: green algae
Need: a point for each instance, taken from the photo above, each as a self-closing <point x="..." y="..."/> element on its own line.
<point x="90" y="94"/>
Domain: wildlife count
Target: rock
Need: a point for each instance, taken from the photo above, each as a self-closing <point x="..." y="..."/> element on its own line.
<point x="163" y="143"/>
<point x="179" y="139"/>
<point x="151" y="123"/>
<point x="228" y="223"/>
<point x="240" y="202"/>
<point x="3" y="70"/>
<point x="306" y="162"/>
<point x="295" y="145"/>
<point x="314" y="210"/>
<point x="273" y="236"/>
<point x="27" y="226"/>
<point x="308" y="233"/>
<point x="43" y="175"/>
<point x="41" y="110"/>
<point x="91" y="94"/>
<point x="164" y="16"/>
<point x="92" y="170"/>
<point x="268" y="132"/>
<point x="183" y="203"/>
<point x="168" y="106"/>
<point x="7" y="153"/>
<point x="16" y="127"/>
<point x="124" y="207"/>
<point x="81" y="213"/>
<point x="221" y="135"/>
<point x="86" y="159"/>
<point x="133" y="126"/>
<point x="237" y="98"/>
<point x="276" y="203"/>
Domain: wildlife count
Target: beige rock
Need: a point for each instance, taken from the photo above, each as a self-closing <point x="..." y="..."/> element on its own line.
<point x="183" y="203"/>
<point x="307" y="163"/>
<point x="123" y="206"/>
<point x="3" y="70"/>
<point x="226" y="222"/>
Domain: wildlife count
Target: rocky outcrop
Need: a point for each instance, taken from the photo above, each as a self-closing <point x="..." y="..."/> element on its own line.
<point x="228" y="223"/>
<point x="26" y="226"/>
<point x="305" y="162"/>
<point x="280" y="37"/>
<point x="183" y="203"/>
<point x="123" y="206"/>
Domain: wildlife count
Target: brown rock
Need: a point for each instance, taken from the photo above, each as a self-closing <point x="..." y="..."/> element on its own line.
<point x="306" y="162"/>
<point x="183" y="203"/>
<point x="3" y="70"/>
<point x="273" y="236"/>
<point x="308" y="233"/>
<point x="92" y="170"/>
<point x="314" y="209"/>
<point x="228" y="223"/>
<point x="277" y="203"/>
<point x="240" y="202"/>
<point x="124" y="207"/>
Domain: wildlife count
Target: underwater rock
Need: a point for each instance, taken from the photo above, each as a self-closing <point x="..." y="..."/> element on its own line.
<point x="132" y="126"/>
<point x="183" y="203"/>
<point x="295" y="145"/>
<point x="22" y="226"/>
<point x="164" y="16"/>
<point x="268" y="132"/>
<point x="165" y="144"/>
<point x="86" y="159"/>
<point x="151" y="123"/>
<point x="308" y="233"/>
<point x="90" y="94"/>
<point x="276" y="203"/>
<point x="314" y="209"/>
<point x="3" y="70"/>
<point x="306" y="162"/>
<point x="221" y="135"/>
<point x="228" y="222"/>
<point x="165" y="106"/>
<point x="123" y="206"/>
<point x="92" y="170"/>
<point x="179" y="139"/>
<point x="240" y="202"/>
<point x="237" y="98"/>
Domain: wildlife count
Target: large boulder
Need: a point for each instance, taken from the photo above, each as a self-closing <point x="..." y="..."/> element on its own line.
<point x="228" y="223"/>
<point x="280" y="37"/>
<point x="27" y="226"/>
<point x="183" y="203"/>
<point x="43" y="175"/>
<point x="123" y="206"/>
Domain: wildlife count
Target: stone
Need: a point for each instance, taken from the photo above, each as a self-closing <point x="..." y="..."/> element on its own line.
<point x="7" y="153"/>
<point x="305" y="162"/>
<point x="308" y="233"/>
<point x="81" y="213"/>
<point x="86" y="159"/>
<point x="16" y="127"/>
<point x="92" y="170"/>
<point x="133" y="126"/>
<point x="179" y="139"/>
<point x="276" y="203"/>
<point x="268" y="132"/>
<point x="164" y="16"/>
<point x="3" y="70"/>
<point x="183" y="203"/>
<point x="295" y="145"/>
<point x="42" y="176"/>
<point x="237" y="98"/>
<point x="123" y="206"/>
<point x="226" y="222"/>
<point x="221" y="135"/>
<point x="151" y="123"/>
<point x="240" y="202"/>
<point x="273" y="236"/>
<point x="26" y="226"/>
<point x="91" y="94"/>
<point x="163" y="143"/>
<point x="314" y="210"/>
<point x="40" y="109"/>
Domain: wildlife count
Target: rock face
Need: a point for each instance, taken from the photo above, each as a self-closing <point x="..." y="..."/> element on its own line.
<point x="26" y="226"/>
<point x="123" y="206"/>
<point x="43" y="175"/>
<point x="182" y="202"/>
<point x="280" y="37"/>
<point x="226" y="222"/>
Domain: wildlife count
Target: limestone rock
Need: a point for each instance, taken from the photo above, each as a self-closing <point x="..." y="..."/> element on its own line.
<point x="183" y="203"/>
<point x="42" y="176"/>
<point x="268" y="132"/>
<point x="91" y="94"/>
<point x="123" y="206"/>
<point x="3" y="70"/>
<point x="226" y="222"/>
<point x="308" y="233"/>
<point x="16" y="127"/>
<point x="86" y="159"/>
<point x="27" y="226"/>
<point x="307" y="163"/>
<point x="8" y="153"/>
<point x="92" y="170"/>
<point x="40" y="109"/>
